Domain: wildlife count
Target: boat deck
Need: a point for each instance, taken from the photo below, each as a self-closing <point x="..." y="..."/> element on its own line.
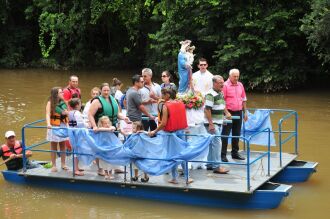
<point x="234" y="181"/>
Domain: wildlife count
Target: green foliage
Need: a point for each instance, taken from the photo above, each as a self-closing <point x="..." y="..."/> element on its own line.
<point x="264" y="42"/>
<point x="261" y="38"/>
<point x="15" y="34"/>
<point x="47" y="24"/>
<point x="316" y="25"/>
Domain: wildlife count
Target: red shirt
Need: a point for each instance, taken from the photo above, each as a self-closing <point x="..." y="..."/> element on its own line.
<point x="234" y="95"/>
<point x="68" y="92"/>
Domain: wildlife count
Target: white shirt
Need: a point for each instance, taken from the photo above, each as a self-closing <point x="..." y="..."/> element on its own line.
<point x="78" y="117"/>
<point x="85" y="112"/>
<point x="118" y="95"/>
<point x="145" y="95"/>
<point x="202" y="81"/>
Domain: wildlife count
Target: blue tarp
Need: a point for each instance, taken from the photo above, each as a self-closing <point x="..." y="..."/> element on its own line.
<point x="258" y="121"/>
<point x="106" y="146"/>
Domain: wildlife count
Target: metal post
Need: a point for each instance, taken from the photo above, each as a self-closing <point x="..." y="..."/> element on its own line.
<point x="125" y="176"/>
<point x="73" y="166"/>
<point x="268" y="152"/>
<point x="186" y="171"/>
<point x="23" y="151"/>
<point x="244" y="146"/>
<point x="296" y="134"/>
<point x="280" y="140"/>
<point x="131" y="170"/>
<point x="248" y="165"/>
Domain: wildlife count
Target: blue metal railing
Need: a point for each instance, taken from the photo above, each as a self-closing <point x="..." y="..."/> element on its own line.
<point x="246" y="141"/>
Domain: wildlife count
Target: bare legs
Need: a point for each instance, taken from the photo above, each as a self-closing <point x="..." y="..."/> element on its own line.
<point x="53" y="147"/>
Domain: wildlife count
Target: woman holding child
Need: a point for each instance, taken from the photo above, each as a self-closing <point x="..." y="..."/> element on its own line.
<point x="104" y="105"/>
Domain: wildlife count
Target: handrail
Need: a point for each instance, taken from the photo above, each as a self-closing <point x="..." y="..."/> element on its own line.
<point x="246" y="140"/>
<point x="294" y="134"/>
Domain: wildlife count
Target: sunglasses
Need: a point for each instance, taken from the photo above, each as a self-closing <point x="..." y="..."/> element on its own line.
<point x="164" y="76"/>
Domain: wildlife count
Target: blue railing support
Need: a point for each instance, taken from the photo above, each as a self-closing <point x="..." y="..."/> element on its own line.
<point x="296" y="129"/>
<point x="280" y="123"/>
<point x="23" y="149"/>
<point x="268" y="152"/>
<point x="248" y="166"/>
<point x="73" y="166"/>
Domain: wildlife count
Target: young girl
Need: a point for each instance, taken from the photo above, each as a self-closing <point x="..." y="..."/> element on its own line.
<point x="56" y="116"/>
<point x="117" y="86"/>
<point x="138" y="128"/>
<point x="76" y="120"/>
<point x="104" y="124"/>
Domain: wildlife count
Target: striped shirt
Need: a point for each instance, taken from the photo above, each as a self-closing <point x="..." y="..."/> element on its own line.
<point x="215" y="102"/>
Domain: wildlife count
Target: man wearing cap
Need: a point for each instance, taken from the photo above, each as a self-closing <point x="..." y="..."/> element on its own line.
<point x="11" y="153"/>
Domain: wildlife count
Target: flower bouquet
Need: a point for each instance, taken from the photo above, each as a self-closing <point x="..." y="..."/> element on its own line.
<point x="192" y="100"/>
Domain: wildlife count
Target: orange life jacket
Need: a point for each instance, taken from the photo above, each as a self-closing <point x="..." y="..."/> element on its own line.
<point x="177" y="119"/>
<point x="56" y="118"/>
<point x="7" y="152"/>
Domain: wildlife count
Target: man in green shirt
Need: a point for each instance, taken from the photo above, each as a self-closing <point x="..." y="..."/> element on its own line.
<point x="215" y="108"/>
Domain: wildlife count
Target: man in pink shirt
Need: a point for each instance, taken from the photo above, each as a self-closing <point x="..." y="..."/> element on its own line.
<point x="235" y="97"/>
<point x="72" y="90"/>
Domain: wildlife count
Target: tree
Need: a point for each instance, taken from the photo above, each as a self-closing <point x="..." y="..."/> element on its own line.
<point x="262" y="39"/>
<point x="316" y="26"/>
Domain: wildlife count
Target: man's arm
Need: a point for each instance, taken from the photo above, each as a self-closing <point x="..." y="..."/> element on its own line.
<point x="143" y="109"/>
<point x="139" y="104"/>
<point x="244" y="103"/>
<point x="245" y="112"/>
<point x="208" y="115"/>
<point x="209" y="102"/>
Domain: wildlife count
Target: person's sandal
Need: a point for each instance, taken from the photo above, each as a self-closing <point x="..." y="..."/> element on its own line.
<point x="135" y="178"/>
<point x="144" y="180"/>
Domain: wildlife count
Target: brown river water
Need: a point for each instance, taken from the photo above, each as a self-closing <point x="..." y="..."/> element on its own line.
<point x="23" y="98"/>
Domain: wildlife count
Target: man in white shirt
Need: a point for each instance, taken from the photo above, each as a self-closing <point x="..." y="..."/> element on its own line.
<point x="202" y="79"/>
<point x="150" y="94"/>
<point x="202" y="82"/>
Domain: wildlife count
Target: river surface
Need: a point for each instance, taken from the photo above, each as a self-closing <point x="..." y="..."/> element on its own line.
<point x="23" y="97"/>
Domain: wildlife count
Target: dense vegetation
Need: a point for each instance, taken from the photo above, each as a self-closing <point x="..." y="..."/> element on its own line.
<point x="277" y="44"/>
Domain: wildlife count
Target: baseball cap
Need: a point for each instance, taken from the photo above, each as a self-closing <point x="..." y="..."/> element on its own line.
<point x="9" y="134"/>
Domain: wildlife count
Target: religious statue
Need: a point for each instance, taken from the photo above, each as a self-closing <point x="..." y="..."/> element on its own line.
<point x="185" y="61"/>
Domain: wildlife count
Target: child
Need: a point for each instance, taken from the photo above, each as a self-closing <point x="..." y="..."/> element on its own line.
<point x="76" y="121"/>
<point x="138" y="128"/>
<point x="104" y="124"/>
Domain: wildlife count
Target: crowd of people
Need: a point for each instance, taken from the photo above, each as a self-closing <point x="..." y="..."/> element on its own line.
<point x="146" y="106"/>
